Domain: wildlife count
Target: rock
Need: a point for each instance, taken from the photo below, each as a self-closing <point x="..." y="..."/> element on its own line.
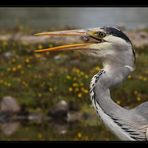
<point x="9" y="104"/>
<point x="8" y="55"/>
<point x="143" y="35"/>
<point x="74" y="117"/>
<point x="59" y="111"/>
<point x="139" y="39"/>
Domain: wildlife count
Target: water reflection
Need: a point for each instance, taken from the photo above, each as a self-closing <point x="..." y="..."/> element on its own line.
<point x="25" y="128"/>
<point x="64" y="121"/>
<point x="10" y="127"/>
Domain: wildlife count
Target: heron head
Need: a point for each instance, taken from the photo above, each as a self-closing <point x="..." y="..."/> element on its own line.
<point x="102" y="42"/>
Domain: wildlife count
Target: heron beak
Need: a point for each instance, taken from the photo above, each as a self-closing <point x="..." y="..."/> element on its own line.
<point x="63" y="33"/>
<point x="81" y="45"/>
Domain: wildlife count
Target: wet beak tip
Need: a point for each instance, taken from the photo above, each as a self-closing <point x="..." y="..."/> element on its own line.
<point x="37" y="34"/>
<point x="36" y="51"/>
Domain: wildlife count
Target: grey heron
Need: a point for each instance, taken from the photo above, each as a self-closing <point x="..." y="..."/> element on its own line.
<point x="116" y="52"/>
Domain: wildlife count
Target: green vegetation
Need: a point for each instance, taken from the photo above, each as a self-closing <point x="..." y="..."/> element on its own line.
<point x="39" y="81"/>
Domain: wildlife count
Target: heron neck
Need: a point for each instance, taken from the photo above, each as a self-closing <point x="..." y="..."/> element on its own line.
<point x="105" y="80"/>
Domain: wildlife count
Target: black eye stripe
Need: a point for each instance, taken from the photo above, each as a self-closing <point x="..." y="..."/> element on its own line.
<point x="95" y="38"/>
<point x="116" y="32"/>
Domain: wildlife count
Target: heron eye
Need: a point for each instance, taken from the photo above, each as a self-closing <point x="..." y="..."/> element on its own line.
<point x="100" y="34"/>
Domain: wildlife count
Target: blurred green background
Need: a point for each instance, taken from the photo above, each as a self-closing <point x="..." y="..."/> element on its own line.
<point x="40" y="83"/>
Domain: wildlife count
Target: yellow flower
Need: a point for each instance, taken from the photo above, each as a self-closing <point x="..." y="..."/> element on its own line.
<point x="27" y="60"/>
<point x="82" y="73"/>
<point x="68" y="77"/>
<point x="13" y="60"/>
<point x="140" y="77"/>
<point x="38" y="55"/>
<point x="76" y="70"/>
<point x="81" y="84"/>
<point x="138" y="99"/>
<point x="97" y="68"/>
<point x="118" y="102"/>
<point x="9" y="69"/>
<point x="40" y="47"/>
<point x="129" y="77"/>
<point x="40" y="136"/>
<point x="70" y="89"/>
<point x="84" y="90"/>
<point x="144" y="79"/>
<point x="79" y="95"/>
<point x="86" y="76"/>
<point x="50" y="74"/>
<point x="39" y="94"/>
<point x="79" y="135"/>
<point x="13" y="69"/>
<point x="8" y="84"/>
<point x="19" y="66"/>
<point x="75" y="84"/>
<point x="50" y="89"/>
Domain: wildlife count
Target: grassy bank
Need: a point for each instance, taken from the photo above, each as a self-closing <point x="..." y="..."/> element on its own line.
<point x="40" y="80"/>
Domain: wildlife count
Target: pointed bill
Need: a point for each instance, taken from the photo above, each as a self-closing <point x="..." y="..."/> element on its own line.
<point x="78" y="32"/>
<point x="64" y="47"/>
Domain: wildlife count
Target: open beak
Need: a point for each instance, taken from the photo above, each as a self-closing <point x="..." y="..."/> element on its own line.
<point x="84" y="40"/>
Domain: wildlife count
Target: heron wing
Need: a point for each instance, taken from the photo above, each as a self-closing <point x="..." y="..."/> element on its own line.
<point x="135" y="123"/>
<point x="142" y="110"/>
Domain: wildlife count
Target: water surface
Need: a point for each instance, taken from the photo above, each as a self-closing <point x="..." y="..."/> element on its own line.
<point x="79" y="17"/>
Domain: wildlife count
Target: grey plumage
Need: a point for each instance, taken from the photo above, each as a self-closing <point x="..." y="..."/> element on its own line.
<point x="142" y="109"/>
<point x="127" y="124"/>
<point x="132" y="122"/>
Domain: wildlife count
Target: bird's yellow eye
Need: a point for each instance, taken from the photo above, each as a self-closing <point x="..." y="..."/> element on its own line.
<point x="100" y="34"/>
